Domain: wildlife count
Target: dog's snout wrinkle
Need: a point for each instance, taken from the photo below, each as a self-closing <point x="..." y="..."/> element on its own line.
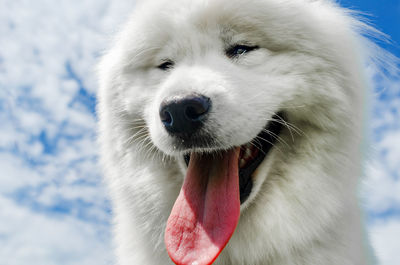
<point x="184" y="115"/>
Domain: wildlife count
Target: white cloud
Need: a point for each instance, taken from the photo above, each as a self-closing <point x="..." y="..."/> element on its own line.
<point x="385" y="240"/>
<point x="15" y="174"/>
<point x="53" y="207"/>
<point x="32" y="238"/>
<point x="381" y="191"/>
<point x="391" y="146"/>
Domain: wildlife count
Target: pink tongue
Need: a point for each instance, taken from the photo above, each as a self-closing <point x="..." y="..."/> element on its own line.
<point x="206" y="211"/>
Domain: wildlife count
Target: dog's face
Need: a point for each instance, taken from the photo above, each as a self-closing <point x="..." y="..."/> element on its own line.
<point x="249" y="67"/>
<point x="241" y="63"/>
<point x="224" y="57"/>
<point x="206" y="77"/>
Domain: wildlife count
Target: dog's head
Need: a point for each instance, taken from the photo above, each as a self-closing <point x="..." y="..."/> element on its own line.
<point x="235" y="80"/>
<point x="236" y="64"/>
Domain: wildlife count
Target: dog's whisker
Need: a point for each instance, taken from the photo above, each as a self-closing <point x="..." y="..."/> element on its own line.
<point x="290" y="127"/>
<point x="135" y="136"/>
<point x="141" y="140"/>
<point x="256" y="146"/>
<point x="287" y="124"/>
<point x="269" y="142"/>
<point x="151" y="149"/>
<point x="138" y="127"/>
<point x="276" y="136"/>
<point x="145" y="141"/>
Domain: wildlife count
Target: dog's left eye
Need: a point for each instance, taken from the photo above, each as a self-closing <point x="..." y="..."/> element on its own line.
<point x="238" y="50"/>
<point x="166" y="65"/>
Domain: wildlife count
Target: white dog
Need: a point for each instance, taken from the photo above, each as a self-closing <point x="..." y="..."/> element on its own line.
<point x="231" y="133"/>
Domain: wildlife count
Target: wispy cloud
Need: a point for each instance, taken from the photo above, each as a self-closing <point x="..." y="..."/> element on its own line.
<point x="381" y="190"/>
<point x="53" y="206"/>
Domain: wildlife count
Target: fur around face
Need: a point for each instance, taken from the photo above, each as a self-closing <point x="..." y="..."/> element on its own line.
<point x="303" y="209"/>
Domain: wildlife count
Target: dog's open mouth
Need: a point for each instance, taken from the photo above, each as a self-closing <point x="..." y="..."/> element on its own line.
<point x="207" y="209"/>
<point x="253" y="153"/>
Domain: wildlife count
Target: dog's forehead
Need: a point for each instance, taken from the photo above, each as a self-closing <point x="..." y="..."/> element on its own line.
<point x="224" y="19"/>
<point x="161" y="29"/>
<point x="219" y="16"/>
<point x="195" y="27"/>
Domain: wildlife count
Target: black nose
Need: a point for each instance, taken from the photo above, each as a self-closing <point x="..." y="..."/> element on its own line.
<point x="183" y="116"/>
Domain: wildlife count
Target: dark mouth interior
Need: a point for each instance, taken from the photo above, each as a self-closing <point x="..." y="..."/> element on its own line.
<point x="253" y="153"/>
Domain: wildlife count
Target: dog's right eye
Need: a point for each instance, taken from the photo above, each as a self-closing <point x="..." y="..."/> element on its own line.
<point x="166" y="65"/>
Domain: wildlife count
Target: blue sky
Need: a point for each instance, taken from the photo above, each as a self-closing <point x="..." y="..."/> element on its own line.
<point x="54" y="207"/>
<point x="385" y="14"/>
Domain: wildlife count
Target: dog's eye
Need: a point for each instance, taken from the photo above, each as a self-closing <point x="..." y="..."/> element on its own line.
<point x="166" y="65"/>
<point x="238" y="50"/>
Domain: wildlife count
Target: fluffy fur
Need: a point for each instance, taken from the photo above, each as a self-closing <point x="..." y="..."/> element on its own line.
<point x="303" y="209"/>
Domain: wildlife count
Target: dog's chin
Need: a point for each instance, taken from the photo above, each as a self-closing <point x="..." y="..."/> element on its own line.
<point x="252" y="153"/>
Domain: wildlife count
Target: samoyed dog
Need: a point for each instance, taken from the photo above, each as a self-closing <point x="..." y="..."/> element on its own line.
<point x="231" y="133"/>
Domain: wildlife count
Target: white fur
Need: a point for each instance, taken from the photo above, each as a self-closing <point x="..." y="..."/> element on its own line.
<point x="303" y="209"/>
